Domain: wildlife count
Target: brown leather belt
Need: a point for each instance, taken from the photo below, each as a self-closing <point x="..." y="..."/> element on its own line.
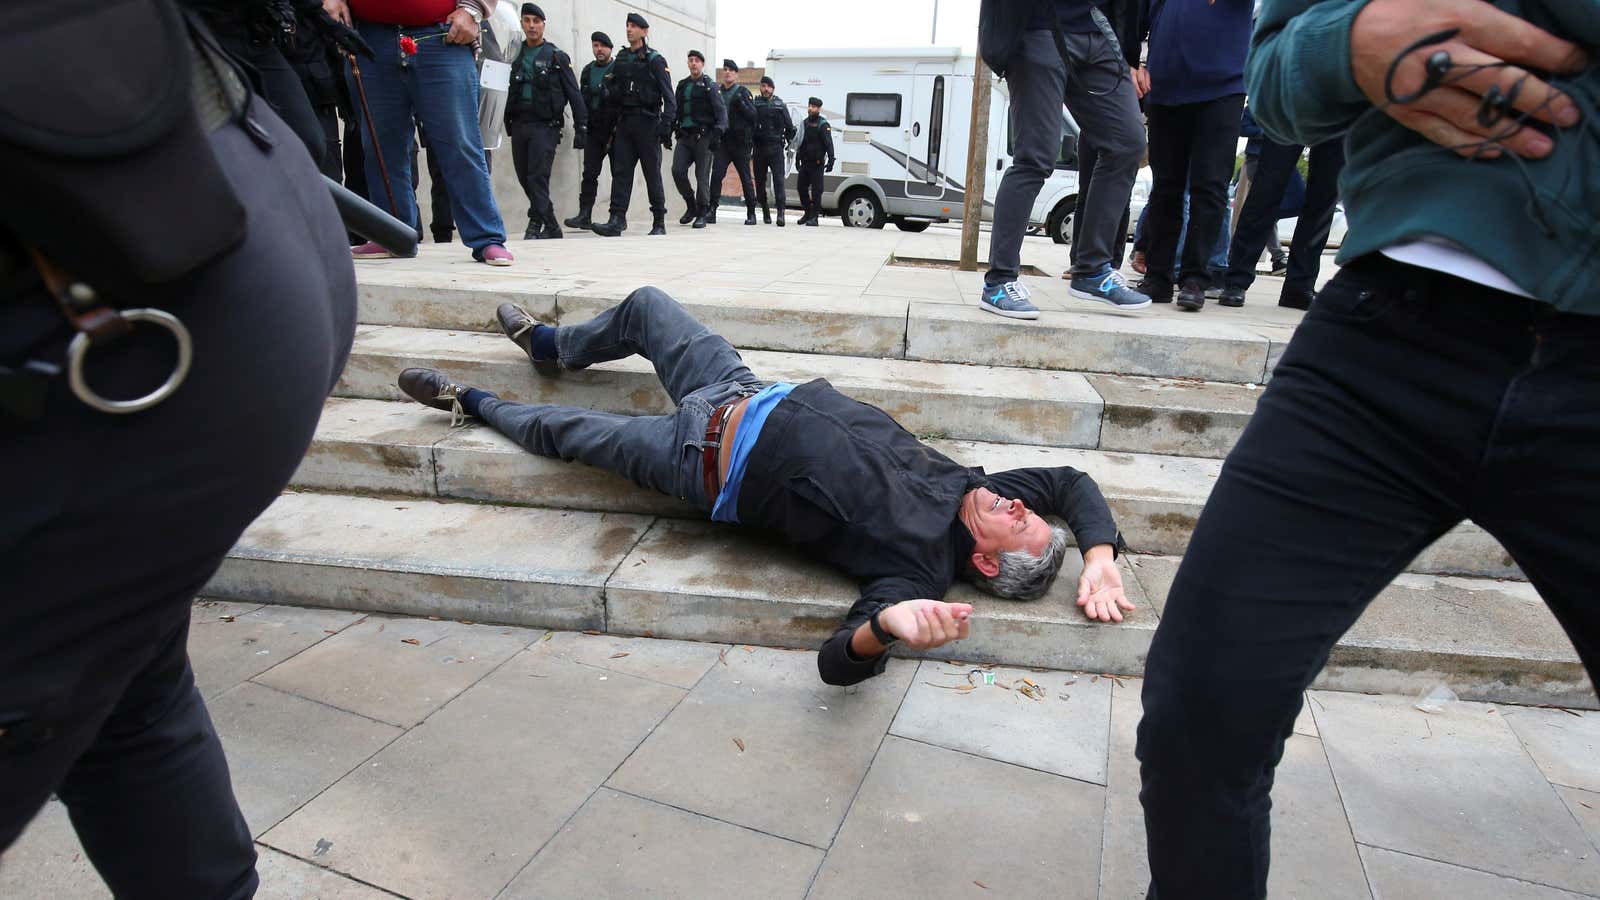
<point x="713" y="447"/>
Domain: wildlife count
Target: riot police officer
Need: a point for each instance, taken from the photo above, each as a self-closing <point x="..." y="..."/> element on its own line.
<point x="640" y="86"/>
<point x="602" y="124"/>
<point x="773" y="132"/>
<point x="700" y="124"/>
<point x="814" y="157"/>
<point x="541" y="83"/>
<point x="735" y="145"/>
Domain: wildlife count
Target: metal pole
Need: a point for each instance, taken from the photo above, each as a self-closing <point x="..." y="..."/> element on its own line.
<point x="977" y="167"/>
<point x="934" y="37"/>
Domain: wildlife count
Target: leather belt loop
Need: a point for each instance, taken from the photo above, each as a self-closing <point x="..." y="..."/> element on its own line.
<point x="80" y="304"/>
<point x="712" y="448"/>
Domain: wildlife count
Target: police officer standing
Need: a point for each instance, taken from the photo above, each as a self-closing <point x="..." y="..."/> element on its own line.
<point x="640" y="86"/>
<point x="701" y="122"/>
<point x="602" y="123"/>
<point x="735" y="145"/>
<point x="774" y="131"/>
<point x="541" y="83"/>
<point x="814" y="157"/>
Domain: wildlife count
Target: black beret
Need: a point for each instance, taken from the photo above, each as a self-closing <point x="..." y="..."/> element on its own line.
<point x="767" y="80"/>
<point x="730" y="64"/>
<point x="636" y="19"/>
<point x="814" y="102"/>
<point x="600" y="37"/>
<point x="696" y="54"/>
<point x="532" y="9"/>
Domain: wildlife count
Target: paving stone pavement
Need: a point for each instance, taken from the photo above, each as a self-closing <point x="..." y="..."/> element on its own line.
<point x="487" y="761"/>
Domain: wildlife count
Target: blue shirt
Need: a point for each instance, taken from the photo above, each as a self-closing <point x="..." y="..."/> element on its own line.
<point x="1197" y="49"/>
<point x="755" y="414"/>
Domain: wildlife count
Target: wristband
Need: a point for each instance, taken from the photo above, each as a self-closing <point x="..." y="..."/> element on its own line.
<point x="881" y="633"/>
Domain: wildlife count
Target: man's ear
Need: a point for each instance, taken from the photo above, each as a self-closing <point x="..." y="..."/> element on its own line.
<point x="987" y="563"/>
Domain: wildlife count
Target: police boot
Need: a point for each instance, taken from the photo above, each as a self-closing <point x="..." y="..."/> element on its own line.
<point x="780" y="217"/>
<point x="701" y="219"/>
<point x="581" y="220"/>
<point x="711" y="214"/>
<point x="660" y="224"/>
<point x="535" y="230"/>
<point x="551" y="229"/>
<point x="617" y="225"/>
<point x="750" y="212"/>
<point x="688" y="213"/>
<point x="766" y="214"/>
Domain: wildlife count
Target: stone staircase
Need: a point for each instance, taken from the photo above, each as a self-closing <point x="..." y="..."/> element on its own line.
<point x="394" y="511"/>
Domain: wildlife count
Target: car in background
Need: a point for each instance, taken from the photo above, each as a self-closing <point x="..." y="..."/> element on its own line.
<point x="1141" y="196"/>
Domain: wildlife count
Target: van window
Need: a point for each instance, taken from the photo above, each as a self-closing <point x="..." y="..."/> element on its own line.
<point x="872" y="109"/>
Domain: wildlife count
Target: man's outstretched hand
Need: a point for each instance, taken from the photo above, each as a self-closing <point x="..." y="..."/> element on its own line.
<point x="925" y="624"/>
<point x="1100" y="586"/>
<point x="1448" y="114"/>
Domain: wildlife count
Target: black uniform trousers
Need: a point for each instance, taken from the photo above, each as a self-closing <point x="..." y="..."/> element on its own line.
<point x="636" y="143"/>
<point x="533" y="152"/>
<point x="737" y="153"/>
<point x="1193" y="144"/>
<point x="1258" y="220"/>
<point x="693" y="147"/>
<point x="277" y="83"/>
<point x="117" y="521"/>
<point x="768" y="160"/>
<point x="809" y="179"/>
<point x="1407" y="401"/>
<point x="595" y="150"/>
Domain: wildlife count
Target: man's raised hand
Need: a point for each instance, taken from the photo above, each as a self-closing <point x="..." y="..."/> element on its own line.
<point x="1100" y="586"/>
<point x="925" y="624"/>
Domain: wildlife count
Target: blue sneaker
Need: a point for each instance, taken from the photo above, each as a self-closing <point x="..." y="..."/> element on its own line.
<point x="1110" y="288"/>
<point x="1009" y="299"/>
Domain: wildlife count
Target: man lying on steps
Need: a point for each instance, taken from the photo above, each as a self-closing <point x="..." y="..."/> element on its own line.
<point x="837" y="478"/>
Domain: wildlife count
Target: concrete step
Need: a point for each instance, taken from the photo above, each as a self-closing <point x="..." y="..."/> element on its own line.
<point x="404" y="448"/>
<point x="673" y="578"/>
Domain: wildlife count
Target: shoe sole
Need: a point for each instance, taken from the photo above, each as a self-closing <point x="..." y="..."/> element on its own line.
<point x="1085" y="295"/>
<point x="498" y="262"/>
<point x="1189" y="305"/>
<point x="384" y="255"/>
<point x="1010" y="314"/>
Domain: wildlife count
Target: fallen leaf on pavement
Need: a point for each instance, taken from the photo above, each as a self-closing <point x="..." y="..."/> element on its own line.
<point x="226" y="618"/>
<point x="958" y="688"/>
<point x="547" y="636"/>
<point x="617" y="655"/>
<point x="412" y="641"/>
<point x="980" y="884"/>
<point x="738" y="743"/>
<point x="723" y="656"/>
<point x="590" y="631"/>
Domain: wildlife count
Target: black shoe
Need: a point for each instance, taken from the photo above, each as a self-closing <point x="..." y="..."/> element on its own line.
<point x="688" y="216"/>
<point x="780" y="218"/>
<point x="1157" y="293"/>
<point x="519" y="326"/>
<point x="660" y="225"/>
<point x="813" y="220"/>
<point x="1297" y="299"/>
<point x="711" y="214"/>
<point x="750" y="214"/>
<point x="581" y="220"/>
<point x="1192" y="295"/>
<point x="431" y="387"/>
<point x="611" y="228"/>
<point x="1232" y="297"/>
<point x="1280" y="268"/>
<point x="552" y="230"/>
<point x="535" y="231"/>
<point x="766" y="216"/>
<point x="699" y="222"/>
<point x="439" y="237"/>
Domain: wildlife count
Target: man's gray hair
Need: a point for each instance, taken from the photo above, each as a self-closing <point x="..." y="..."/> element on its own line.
<point x="1022" y="575"/>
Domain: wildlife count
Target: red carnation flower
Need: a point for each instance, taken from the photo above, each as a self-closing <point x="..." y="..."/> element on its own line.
<point x="407" y="45"/>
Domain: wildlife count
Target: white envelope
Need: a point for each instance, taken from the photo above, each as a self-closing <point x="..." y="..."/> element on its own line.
<point x="496" y="76"/>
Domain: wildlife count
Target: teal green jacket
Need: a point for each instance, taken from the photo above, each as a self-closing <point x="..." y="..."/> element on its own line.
<point x="1543" y="232"/>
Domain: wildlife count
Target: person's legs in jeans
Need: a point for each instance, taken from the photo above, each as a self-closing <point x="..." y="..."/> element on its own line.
<point x="1368" y="444"/>
<point x="389" y="95"/>
<point x="1316" y="218"/>
<point x="443" y="226"/>
<point x="446" y="97"/>
<point x="1214" y="136"/>
<point x="1259" y="219"/>
<point x="1037" y="82"/>
<point x="1101" y="97"/>
<point x="1169" y="166"/>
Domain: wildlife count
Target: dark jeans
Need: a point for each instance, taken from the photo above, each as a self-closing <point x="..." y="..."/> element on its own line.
<point x="1259" y="219"/>
<point x="808" y="178"/>
<point x="1102" y="100"/>
<point x="693" y="148"/>
<point x="635" y="143"/>
<point x="699" y="369"/>
<point x="768" y="160"/>
<point x="595" y="150"/>
<point x="1406" y="402"/>
<point x="738" y="155"/>
<point x="1088" y="158"/>
<point x="1191" y="144"/>
<point x="118" y="521"/>
<point x="533" y="152"/>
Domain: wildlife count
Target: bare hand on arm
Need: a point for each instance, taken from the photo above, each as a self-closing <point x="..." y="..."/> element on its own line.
<point x="338" y="9"/>
<point x="1100" y="590"/>
<point x="1448" y="113"/>
<point x="463" y="29"/>
<point x="919" y="624"/>
<point x="1141" y="80"/>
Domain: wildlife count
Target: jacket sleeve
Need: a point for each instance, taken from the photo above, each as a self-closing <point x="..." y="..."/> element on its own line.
<point x="569" y="86"/>
<point x="827" y="142"/>
<point x="744" y="106"/>
<point x="669" y="97"/>
<point x="835" y="663"/>
<point x="1066" y="492"/>
<point x="719" y="109"/>
<point x="1298" y="74"/>
<point x="788" y="123"/>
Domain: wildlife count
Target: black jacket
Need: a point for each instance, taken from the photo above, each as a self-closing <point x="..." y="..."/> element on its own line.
<point x="846" y="484"/>
<point x="1001" y="24"/>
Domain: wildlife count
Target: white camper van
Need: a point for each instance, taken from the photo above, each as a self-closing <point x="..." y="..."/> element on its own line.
<point x="901" y="120"/>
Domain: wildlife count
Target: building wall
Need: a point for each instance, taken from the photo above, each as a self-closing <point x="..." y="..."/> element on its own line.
<point x="676" y="27"/>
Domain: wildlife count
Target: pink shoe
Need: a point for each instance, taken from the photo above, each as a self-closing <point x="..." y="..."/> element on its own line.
<point x="496" y="255"/>
<point x="370" y="250"/>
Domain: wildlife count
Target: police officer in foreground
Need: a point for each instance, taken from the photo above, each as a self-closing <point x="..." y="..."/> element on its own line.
<point x="541" y="84"/>
<point x="701" y="122"/>
<point x="640" y="85"/>
<point x="735" y="145"/>
<point x="814" y="157"/>
<point x="602" y="124"/>
<point x="773" y="132"/>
